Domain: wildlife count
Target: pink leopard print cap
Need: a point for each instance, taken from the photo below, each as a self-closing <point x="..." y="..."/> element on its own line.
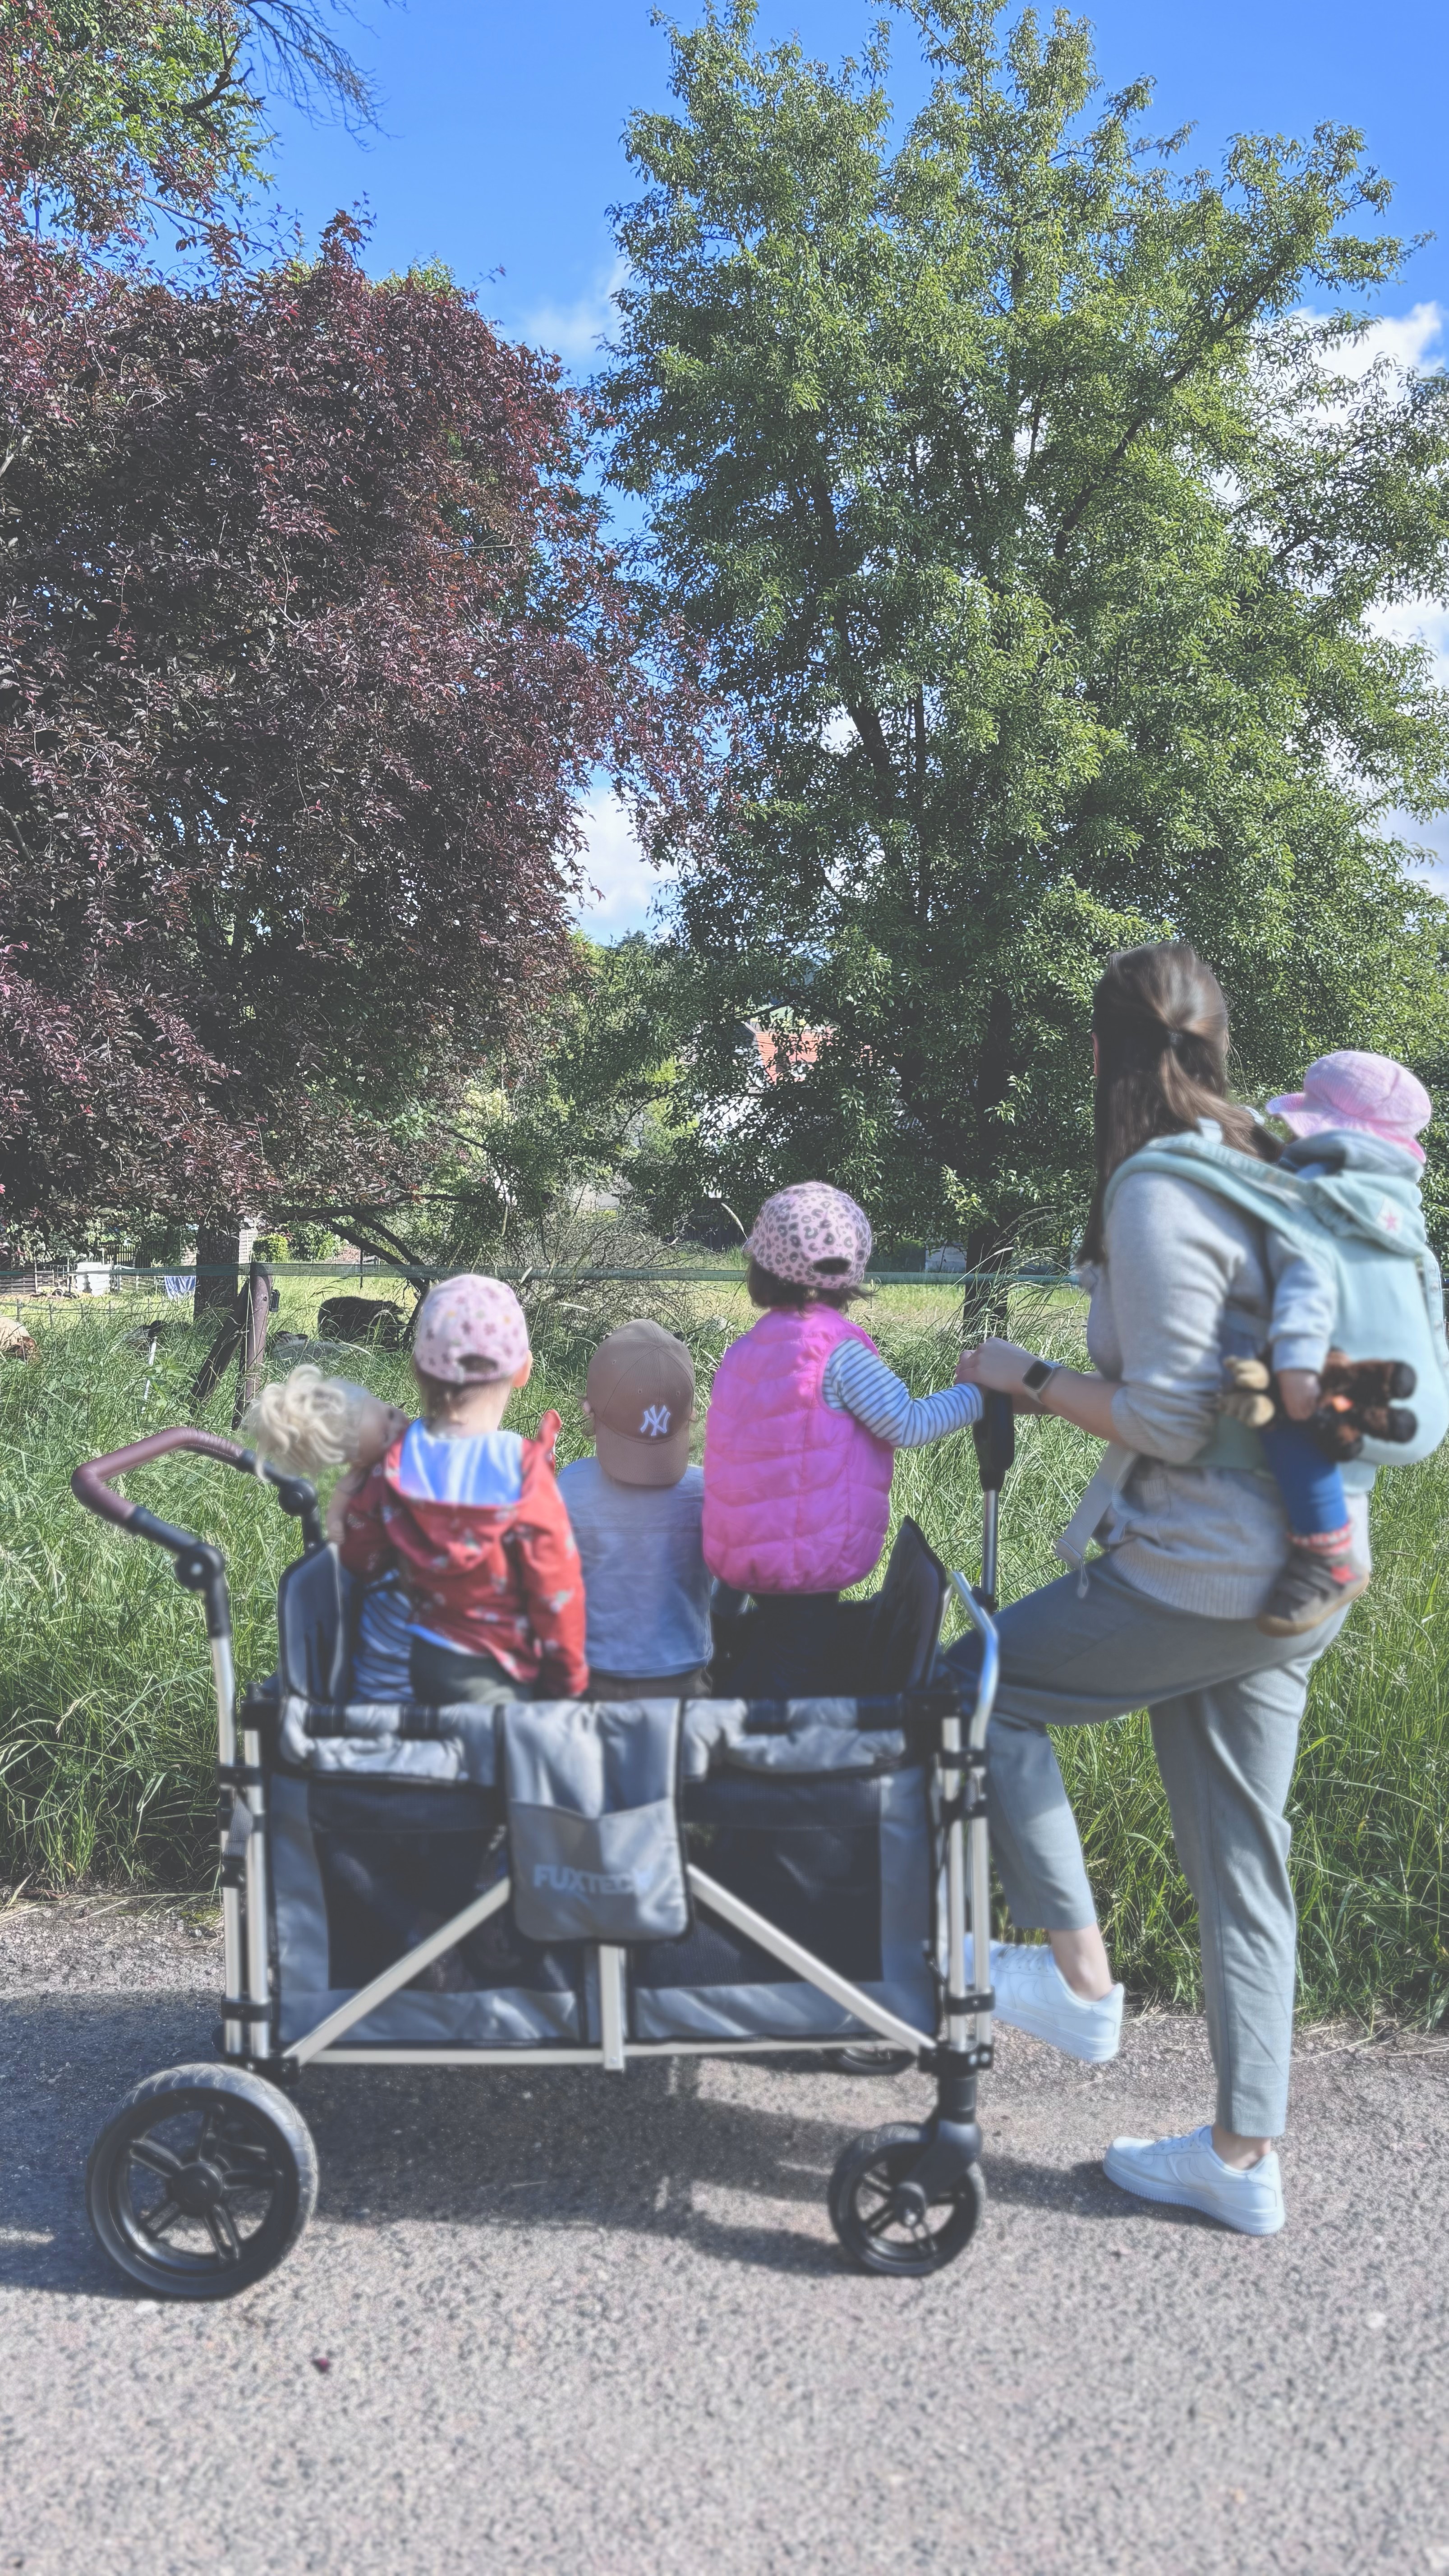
<point x="470" y="1329"/>
<point x="809" y="1223"/>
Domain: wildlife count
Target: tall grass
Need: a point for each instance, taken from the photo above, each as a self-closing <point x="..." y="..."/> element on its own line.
<point x="107" y="1733"/>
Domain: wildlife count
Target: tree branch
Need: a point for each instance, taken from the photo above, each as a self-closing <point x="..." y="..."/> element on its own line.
<point x="1233" y="318"/>
<point x="862" y="714"/>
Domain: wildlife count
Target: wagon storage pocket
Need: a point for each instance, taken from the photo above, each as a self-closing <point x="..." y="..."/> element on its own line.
<point x="595" y="1842"/>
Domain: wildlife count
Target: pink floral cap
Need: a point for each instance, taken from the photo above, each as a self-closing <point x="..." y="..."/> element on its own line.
<point x="1369" y="1093"/>
<point x="806" y="1225"/>
<point x="470" y="1329"/>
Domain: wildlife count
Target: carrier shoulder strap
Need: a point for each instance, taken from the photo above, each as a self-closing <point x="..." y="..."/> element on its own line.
<point x="1310" y="1214"/>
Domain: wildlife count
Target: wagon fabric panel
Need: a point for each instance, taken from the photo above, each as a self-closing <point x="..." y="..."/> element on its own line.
<point x="362" y="1869"/>
<point x="841" y="1864"/>
<point x="385" y="1822"/>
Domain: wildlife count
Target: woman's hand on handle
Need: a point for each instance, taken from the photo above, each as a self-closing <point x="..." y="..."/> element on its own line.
<point x="999" y="1367"/>
<point x="1073" y="1395"/>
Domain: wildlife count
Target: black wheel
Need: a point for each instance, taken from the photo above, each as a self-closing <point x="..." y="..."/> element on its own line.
<point x="201" y="2181"/>
<point x="864" y="2060"/>
<point x="884" y="2220"/>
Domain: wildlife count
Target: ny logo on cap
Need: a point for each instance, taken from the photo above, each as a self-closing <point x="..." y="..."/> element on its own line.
<point x="656" y="1421"/>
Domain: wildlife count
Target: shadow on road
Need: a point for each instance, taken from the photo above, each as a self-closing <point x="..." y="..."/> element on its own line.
<point x="524" y="2149"/>
<point x="652" y="2152"/>
<point x="1076" y="2191"/>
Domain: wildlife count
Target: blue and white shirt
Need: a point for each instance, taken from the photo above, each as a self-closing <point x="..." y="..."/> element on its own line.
<point x="857" y="1381"/>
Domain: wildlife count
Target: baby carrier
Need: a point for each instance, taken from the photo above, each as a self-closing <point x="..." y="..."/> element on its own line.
<point x="1363" y="1225"/>
<point x="1365" y="1228"/>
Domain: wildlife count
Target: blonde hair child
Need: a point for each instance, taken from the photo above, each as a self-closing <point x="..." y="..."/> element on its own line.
<point x="305" y="1422"/>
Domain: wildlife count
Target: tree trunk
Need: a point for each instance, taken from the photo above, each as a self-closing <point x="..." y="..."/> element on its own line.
<point x="216" y="1245"/>
<point x="984" y="1308"/>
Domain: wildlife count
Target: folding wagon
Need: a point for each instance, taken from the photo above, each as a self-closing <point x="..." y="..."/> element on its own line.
<point x="567" y="1884"/>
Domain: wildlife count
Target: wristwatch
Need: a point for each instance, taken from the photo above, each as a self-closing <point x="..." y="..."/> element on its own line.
<point x="1034" y="1379"/>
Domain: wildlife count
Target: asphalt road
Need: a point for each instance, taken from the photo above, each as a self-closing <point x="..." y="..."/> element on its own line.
<point x="587" y="2325"/>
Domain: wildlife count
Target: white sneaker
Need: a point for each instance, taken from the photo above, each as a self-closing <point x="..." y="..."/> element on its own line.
<point x="1033" y="1995"/>
<point x="1190" y="2174"/>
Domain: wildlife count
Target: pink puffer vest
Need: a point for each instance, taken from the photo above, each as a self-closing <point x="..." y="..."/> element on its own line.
<point x="796" y="1497"/>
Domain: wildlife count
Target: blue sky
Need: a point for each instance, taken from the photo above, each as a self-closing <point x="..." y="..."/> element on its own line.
<point x="500" y="150"/>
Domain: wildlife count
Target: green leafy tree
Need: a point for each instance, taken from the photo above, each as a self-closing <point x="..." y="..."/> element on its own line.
<point x="1032" y="528"/>
<point x="115" y="111"/>
<point x="571" y="1120"/>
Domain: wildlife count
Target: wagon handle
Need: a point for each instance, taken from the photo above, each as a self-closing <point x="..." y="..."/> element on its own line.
<point x="92" y="1485"/>
<point x="995" y="1438"/>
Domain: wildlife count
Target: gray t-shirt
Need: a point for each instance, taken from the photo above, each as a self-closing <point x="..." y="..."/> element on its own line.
<point x="645" y="1579"/>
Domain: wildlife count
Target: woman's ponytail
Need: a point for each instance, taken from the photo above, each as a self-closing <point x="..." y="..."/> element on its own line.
<point x="1161" y="1025"/>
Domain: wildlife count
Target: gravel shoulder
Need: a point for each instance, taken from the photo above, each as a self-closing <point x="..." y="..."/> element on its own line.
<point x="557" y="2321"/>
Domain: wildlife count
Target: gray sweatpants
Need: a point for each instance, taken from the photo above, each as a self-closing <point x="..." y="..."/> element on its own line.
<point x="1226" y="1703"/>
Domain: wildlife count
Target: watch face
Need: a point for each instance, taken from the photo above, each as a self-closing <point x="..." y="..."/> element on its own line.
<point x="1036" y="1376"/>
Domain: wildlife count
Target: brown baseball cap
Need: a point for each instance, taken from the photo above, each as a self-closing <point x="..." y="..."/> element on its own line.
<point x="641" y="1388"/>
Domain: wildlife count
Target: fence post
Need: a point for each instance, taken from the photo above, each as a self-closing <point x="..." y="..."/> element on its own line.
<point x="256" y="1315"/>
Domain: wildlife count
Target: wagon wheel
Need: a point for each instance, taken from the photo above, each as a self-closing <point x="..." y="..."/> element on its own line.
<point x="885" y="2221"/>
<point x="201" y="2181"/>
<point x="862" y="2059"/>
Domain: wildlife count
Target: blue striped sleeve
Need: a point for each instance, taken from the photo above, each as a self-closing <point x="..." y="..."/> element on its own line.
<point x="857" y="1381"/>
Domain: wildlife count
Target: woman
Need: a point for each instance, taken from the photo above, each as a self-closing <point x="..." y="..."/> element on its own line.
<point x="1166" y="1619"/>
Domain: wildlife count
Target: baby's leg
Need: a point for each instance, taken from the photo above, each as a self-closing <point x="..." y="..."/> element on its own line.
<point x="1320" y="1575"/>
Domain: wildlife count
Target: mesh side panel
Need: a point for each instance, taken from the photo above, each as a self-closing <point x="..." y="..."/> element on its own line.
<point x="808" y="1855"/>
<point x="363" y="1870"/>
<point x="395" y="1862"/>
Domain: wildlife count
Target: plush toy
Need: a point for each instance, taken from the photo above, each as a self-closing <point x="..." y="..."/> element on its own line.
<point x="1359" y="1401"/>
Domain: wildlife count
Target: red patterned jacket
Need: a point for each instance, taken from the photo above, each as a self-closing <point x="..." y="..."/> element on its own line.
<point x="498" y="1579"/>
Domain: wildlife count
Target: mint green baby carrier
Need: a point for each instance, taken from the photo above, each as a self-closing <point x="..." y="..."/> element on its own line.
<point x="1366" y="1229"/>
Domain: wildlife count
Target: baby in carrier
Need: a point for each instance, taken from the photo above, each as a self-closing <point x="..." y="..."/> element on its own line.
<point x="467" y="1516"/>
<point x="804" y="1422"/>
<point x="1312" y="1408"/>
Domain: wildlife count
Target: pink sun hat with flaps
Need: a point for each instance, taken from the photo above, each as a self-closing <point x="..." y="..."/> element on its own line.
<point x="470" y="1329"/>
<point x="806" y="1225"/>
<point x="1369" y="1093"/>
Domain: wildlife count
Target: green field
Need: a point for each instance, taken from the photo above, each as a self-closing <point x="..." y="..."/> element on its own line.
<point x="106" y="1732"/>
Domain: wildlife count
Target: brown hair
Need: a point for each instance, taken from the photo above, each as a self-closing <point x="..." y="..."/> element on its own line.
<point x="1161" y="1026"/>
<point x="764" y="1288"/>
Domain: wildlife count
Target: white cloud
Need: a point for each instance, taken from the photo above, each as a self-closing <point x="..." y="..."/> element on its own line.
<point x="1432" y="837"/>
<point x="620" y="882"/>
<point x="575" y="330"/>
<point x="1420" y="621"/>
<point x="1416" y="621"/>
<point x="1403" y="338"/>
<point x="1406" y="340"/>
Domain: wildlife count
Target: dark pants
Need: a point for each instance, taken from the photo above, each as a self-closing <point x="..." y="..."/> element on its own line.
<point x="618" y="1686"/>
<point x="791" y="1646"/>
<point x="440" y="1677"/>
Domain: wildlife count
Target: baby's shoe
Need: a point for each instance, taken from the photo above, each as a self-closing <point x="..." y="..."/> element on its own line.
<point x="1315" y="1582"/>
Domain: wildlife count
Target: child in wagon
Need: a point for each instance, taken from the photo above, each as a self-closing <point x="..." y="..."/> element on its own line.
<point x="467" y="1515"/>
<point x="635" y="1508"/>
<point x="804" y="1423"/>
